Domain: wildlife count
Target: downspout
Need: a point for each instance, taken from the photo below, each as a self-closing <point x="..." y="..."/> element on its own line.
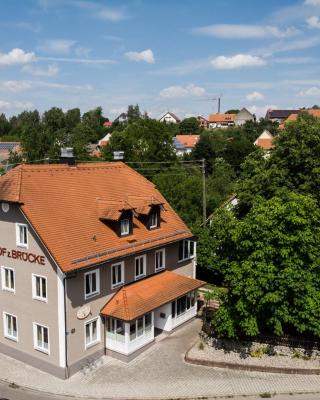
<point x="65" y="326"/>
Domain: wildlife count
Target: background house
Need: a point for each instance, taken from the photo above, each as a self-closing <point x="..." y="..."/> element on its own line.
<point x="243" y="116"/>
<point x="169" y="117"/>
<point x="6" y="147"/>
<point x="184" y="144"/>
<point x="265" y="140"/>
<point x="221" y="120"/>
<point x="279" y="115"/>
<point x="204" y="123"/>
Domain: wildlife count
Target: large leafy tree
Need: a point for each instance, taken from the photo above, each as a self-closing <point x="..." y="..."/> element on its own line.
<point x="189" y="126"/>
<point x="274" y="269"/>
<point x="143" y="141"/>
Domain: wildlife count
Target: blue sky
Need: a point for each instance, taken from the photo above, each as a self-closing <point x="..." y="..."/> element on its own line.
<point x="164" y="55"/>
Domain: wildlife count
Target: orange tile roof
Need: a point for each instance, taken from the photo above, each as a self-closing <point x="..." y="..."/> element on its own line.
<point x="265" y="144"/>
<point x="293" y="117"/>
<point x="139" y="298"/>
<point x="63" y="205"/>
<point x="222" y="118"/>
<point x="188" y="140"/>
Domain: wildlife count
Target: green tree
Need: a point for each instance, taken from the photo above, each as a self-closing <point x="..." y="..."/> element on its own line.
<point x="133" y="113"/>
<point x="274" y="271"/>
<point x="182" y="188"/>
<point x="72" y="118"/>
<point x="54" y="119"/>
<point x="189" y="126"/>
<point x="143" y="140"/>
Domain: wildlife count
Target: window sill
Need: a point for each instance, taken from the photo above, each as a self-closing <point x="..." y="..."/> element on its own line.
<point x="44" y="351"/>
<point x="9" y="290"/>
<point x="186" y="259"/>
<point x="89" y="345"/>
<point x="22" y="246"/>
<point x="43" y="300"/>
<point x="136" y="278"/>
<point x="117" y="285"/>
<point x="159" y="269"/>
<point x="14" y="339"/>
<point x="91" y="295"/>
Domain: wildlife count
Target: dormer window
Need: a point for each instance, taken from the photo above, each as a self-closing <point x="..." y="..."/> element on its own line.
<point x="124" y="227"/>
<point x="154" y="220"/>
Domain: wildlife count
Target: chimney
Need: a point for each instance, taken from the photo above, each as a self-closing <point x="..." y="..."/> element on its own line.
<point x="67" y="156"/>
<point x="118" y="155"/>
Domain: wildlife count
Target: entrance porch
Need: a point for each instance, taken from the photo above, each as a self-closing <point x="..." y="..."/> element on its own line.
<point x="163" y="301"/>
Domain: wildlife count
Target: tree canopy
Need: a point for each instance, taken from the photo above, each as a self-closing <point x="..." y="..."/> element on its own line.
<point x="266" y="249"/>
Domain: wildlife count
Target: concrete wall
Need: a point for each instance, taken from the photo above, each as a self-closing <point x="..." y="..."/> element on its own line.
<point x="21" y="304"/>
<point x="78" y="356"/>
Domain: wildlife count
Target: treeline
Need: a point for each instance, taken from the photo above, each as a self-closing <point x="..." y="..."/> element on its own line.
<point x="148" y="147"/>
<point x="266" y="250"/>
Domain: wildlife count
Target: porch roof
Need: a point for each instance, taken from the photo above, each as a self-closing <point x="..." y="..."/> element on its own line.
<point x="139" y="298"/>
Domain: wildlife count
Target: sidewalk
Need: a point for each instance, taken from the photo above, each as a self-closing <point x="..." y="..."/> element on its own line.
<point x="158" y="373"/>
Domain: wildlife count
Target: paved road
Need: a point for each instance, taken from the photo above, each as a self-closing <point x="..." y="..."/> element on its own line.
<point x="159" y="372"/>
<point x="7" y="393"/>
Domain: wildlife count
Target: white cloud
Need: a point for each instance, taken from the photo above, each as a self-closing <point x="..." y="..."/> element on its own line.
<point x="255" y="96"/>
<point x="16" y="56"/>
<point x="313" y="22"/>
<point x="283" y="46"/>
<point x="145" y="55"/>
<point x="182" y="91"/>
<point x="260" y="111"/>
<point x="111" y="14"/>
<point x="232" y="31"/>
<point x="311" y="92"/>
<point x="57" y="46"/>
<point x="4" y="104"/>
<point x="237" y="61"/>
<point x="16" y="105"/>
<point x="51" y="70"/>
<point x="15" y="86"/>
<point x="312" y="2"/>
<point x="79" y="60"/>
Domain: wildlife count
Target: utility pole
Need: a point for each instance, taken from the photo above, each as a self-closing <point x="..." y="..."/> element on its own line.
<point x="204" y="195"/>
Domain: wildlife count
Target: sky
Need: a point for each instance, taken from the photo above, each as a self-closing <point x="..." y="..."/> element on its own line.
<point x="176" y="55"/>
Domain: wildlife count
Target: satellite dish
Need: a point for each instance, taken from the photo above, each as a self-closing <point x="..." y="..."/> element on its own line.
<point x="83" y="312"/>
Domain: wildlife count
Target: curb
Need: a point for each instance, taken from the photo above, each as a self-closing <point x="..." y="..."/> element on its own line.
<point x="249" y="367"/>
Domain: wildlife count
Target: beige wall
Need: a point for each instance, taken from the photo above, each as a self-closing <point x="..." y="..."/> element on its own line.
<point x="20" y="303"/>
<point x="76" y="299"/>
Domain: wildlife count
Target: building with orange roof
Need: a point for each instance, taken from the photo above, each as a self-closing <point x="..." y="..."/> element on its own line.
<point x="265" y="140"/>
<point x="184" y="144"/>
<point x="93" y="261"/>
<point x="293" y="117"/>
<point x="6" y="148"/>
<point x="221" y="120"/>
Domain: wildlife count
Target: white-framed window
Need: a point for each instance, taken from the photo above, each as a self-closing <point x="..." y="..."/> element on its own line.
<point x="124" y="227"/>
<point x="117" y="274"/>
<point x="22" y="235"/>
<point x="41" y="338"/>
<point x="8" y="281"/>
<point x="92" y="283"/>
<point x="160" y="259"/>
<point x="153" y="220"/>
<point x="183" y="304"/>
<point x="92" y="332"/>
<point x="39" y="287"/>
<point x="140" y="326"/>
<point x="115" y="326"/>
<point x="187" y="249"/>
<point x="140" y="266"/>
<point x="10" y="326"/>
